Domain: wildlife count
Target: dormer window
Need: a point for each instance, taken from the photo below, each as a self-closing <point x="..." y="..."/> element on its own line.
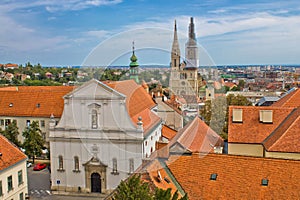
<point x="38" y="105"/>
<point x="237" y="115"/>
<point x="11" y="105"/>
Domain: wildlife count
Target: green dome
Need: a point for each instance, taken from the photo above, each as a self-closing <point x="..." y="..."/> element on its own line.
<point x="133" y="62"/>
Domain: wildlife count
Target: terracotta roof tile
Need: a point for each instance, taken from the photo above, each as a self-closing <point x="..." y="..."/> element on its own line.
<point x="196" y="136"/>
<point x="34" y="101"/>
<point x="149" y="119"/>
<point x="138" y="102"/>
<point x="153" y="169"/>
<point x="10" y="153"/>
<point x="168" y="132"/>
<point x="290" y="100"/>
<point x="238" y="177"/>
<point x="137" y="98"/>
<point x="285" y="138"/>
<point x="251" y="130"/>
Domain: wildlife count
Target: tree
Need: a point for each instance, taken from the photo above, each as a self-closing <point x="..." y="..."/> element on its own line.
<point x="215" y="112"/>
<point x="161" y="194"/>
<point x="133" y="189"/>
<point x="33" y="142"/>
<point x="11" y="133"/>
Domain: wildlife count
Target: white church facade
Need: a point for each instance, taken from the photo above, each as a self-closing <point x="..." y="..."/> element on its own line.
<point x="105" y="131"/>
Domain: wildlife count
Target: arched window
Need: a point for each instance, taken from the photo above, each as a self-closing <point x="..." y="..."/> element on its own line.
<point x="94" y="119"/>
<point x="115" y="167"/>
<point x="76" y="163"/>
<point x="131" y="165"/>
<point x="60" y="163"/>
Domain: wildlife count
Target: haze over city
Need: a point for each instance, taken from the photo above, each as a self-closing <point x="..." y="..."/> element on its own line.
<point x="65" y="32"/>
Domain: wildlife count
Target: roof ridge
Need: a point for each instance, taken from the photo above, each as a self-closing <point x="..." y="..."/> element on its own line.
<point x="280" y="129"/>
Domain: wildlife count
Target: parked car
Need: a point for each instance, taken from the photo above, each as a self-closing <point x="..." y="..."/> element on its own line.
<point x="39" y="166"/>
<point x="29" y="164"/>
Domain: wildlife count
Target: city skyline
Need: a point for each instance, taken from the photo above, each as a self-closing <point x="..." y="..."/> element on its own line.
<point x="100" y="32"/>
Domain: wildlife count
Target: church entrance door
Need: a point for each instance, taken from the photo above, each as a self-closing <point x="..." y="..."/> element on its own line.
<point x="96" y="182"/>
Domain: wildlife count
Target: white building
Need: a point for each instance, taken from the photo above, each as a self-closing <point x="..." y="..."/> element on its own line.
<point x="13" y="171"/>
<point x="103" y="135"/>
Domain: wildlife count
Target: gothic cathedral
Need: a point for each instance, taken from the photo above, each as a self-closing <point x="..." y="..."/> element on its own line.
<point x="184" y="75"/>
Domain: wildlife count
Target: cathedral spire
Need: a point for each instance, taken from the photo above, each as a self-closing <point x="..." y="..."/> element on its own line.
<point x="175" y="46"/>
<point x="192" y="34"/>
<point x="191" y="48"/>
<point x="175" y="54"/>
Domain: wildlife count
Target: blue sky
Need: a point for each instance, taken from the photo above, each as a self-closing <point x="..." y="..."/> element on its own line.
<point x="100" y="32"/>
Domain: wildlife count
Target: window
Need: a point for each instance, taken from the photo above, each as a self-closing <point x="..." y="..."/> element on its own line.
<point x="15" y="122"/>
<point x="42" y="123"/>
<point x="94" y="119"/>
<point x="44" y="135"/>
<point x="2" y="122"/>
<point x="264" y="182"/>
<point x="237" y="115"/>
<point x="20" y="177"/>
<point x="76" y="164"/>
<point x="9" y="183"/>
<point x="1" y="191"/>
<point x="21" y="197"/>
<point x="60" y="163"/>
<point x="131" y="165"/>
<point x="27" y="123"/>
<point x="213" y="177"/>
<point x="115" y="167"/>
<point x="7" y="122"/>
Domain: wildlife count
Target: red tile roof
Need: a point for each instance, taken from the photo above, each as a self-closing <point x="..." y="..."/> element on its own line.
<point x="138" y="102"/>
<point x="149" y="119"/>
<point x="137" y="98"/>
<point x="196" y="136"/>
<point x="238" y="177"/>
<point x="168" y="132"/>
<point x="150" y="174"/>
<point x="290" y="100"/>
<point x="10" y="153"/>
<point x="251" y="130"/>
<point x="33" y="101"/>
<point x="285" y="138"/>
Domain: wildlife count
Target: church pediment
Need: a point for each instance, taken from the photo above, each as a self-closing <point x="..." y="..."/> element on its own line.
<point x="95" y="89"/>
<point x="94" y="162"/>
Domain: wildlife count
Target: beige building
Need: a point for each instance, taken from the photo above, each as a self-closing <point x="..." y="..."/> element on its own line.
<point x="25" y="104"/>
<point x="13" y="171"/>
<point x="266" y="131"/>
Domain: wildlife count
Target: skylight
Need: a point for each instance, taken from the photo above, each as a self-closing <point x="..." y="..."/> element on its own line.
<point x="213" y="176"/>
<point x="264" y="182"/>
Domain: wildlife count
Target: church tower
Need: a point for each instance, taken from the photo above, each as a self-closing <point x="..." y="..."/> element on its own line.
<point x="184" y="76"/>
<point x="175" y="64"/>
<point x="192" y="58"/>
<point x="175" y="54"/>
<point x="191" y="48"/>
<point x="134" y="66"/>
